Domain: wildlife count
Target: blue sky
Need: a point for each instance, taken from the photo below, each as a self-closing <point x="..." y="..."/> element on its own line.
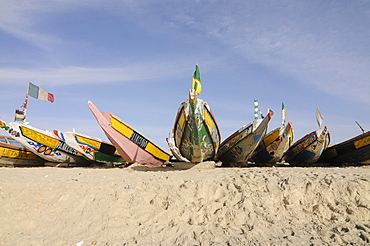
<point x="135" y="59"/>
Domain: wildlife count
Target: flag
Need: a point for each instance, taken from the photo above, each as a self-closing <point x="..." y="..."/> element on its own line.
<point x="19" y="115"/>
<point x="195" y="84"/>
<point x="283" y="114"/>
<point x="38" y="93"/>
<point x="319" y="116"/>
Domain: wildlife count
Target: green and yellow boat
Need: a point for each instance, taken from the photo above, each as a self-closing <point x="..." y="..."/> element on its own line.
<point x="196" y="133"/>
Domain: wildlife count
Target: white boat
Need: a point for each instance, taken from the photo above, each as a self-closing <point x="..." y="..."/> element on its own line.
<point x="92" y="148"/>
<point x="240" y="145"/>
<point x="45" y="144"/>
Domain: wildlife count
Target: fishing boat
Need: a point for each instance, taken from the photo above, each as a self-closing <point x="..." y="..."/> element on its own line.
<point x="275" y="144"/>
<point x="44" y="144"/>
<point x="13" y="154"/>
<point x="239" y="146"/>
<point x="353" y="151"/>
<point x="308" y="149"/>
<point x="92" y="148"/>
<point x="131" y="145"/>
<point x="196" y="134"/>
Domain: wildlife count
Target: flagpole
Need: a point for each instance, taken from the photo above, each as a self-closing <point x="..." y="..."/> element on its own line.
<point x="26" y="100"/>
<point x="255" y="109"/>
<point x="282" y="115"/>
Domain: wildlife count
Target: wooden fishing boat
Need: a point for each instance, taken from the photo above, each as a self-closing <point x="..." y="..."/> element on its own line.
<point x="239" y="146"/>
<point x="44" y="144"/>
<point x="353" y="151"/>
<point x="196" y="133"/>
<point x="13" y="154"/>
<point x="132" y="145"/>
<point x="308" y="149"/>
<point x="274" y="145"/>
<point x="92" y="148"/>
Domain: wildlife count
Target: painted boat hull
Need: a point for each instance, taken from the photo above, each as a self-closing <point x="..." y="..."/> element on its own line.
<point x="274" y="145"/>
<point x="13" y="154"/>
<point x="353" y="151"/>
<point x="132" y="145"/>
<point x="196" y="133"/>
<point x="308" y="149"/>
<point x="239" y="146"/>
<point x="174" y="150"/>
<point x="44" y="144"/>
<point x="93" y="149"/>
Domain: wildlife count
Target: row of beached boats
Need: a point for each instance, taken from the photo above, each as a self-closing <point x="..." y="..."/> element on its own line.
<point x="194" y="138"/>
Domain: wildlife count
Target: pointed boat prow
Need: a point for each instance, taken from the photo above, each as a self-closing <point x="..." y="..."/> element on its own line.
<point x="132" y="145"/>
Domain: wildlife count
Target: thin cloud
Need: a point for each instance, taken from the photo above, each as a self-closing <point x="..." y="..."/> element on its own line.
<point x="81" y="75"/>
<point x="324" y="47"/>
<point x="21" y="18"/>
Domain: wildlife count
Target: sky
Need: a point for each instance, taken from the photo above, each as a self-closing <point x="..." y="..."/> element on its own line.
<point x="136" y="59"/>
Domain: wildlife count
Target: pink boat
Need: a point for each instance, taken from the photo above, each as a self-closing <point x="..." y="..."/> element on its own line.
<point x="131" y="144"/>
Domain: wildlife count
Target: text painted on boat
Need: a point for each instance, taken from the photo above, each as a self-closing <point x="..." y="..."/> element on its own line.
<point x="139" y="140"/>
<point x="62" y="146"/>
<point x="362" y="142"/>
<point x="15" y="153"/>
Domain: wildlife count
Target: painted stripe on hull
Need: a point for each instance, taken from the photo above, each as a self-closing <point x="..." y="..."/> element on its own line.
<point x="138" y="138"/>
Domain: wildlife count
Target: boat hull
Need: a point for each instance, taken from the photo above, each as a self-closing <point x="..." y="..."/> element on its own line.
<point x="174" y="150"/>
<point x="353" y="151"/>
<point x="131" y="145"/>
<point x="274" y="145"/>
<point x="239" y="146"/>
<point x="93" y="149"/>
<point x="308" y="149"/>
<point x="196" y="133"/>
<point x="15" y="155"/>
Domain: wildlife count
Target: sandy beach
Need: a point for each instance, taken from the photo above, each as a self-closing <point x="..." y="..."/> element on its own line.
<point x="201" y="205"/>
